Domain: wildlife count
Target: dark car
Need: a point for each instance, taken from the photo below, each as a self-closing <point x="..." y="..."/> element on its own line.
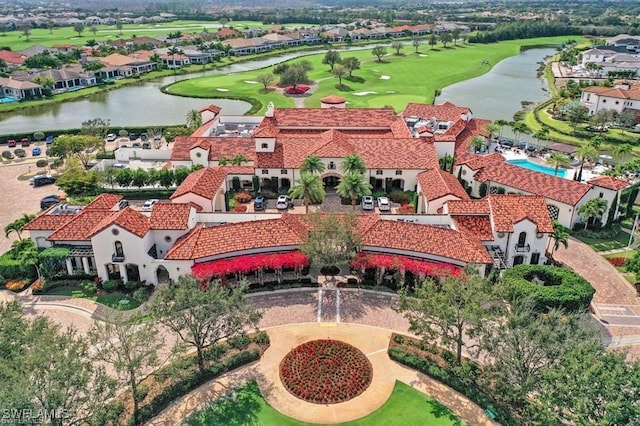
<point x="136" y="145"/>
<point x="146" y="145"/>
<point x="43" y="180"/>
<point x="260" y="203"/>
<point x="133" y="136"/>
<point x="49" y="201"/>
<point x="143" y="137"/>
<point x="25" y="141"/>
<point x="11" y="143"/>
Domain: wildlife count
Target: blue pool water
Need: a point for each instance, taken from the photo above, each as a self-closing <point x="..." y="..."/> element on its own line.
<point x="538" y="167"/>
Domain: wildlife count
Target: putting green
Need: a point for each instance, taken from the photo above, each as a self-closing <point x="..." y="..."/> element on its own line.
<point x="413" y="77"/>
<point x="405" y="407"/>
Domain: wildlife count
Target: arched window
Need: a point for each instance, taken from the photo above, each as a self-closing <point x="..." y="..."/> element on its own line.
<point x="522" y="239"/>
<point x="119" y="250"/>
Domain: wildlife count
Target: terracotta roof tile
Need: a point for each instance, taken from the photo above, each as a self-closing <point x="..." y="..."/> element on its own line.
<point x="467" y="207"/>
<point x="609" y="182"/>
<point x="227" y="147"/>
<point x="333" y="100"/>
<point x="266" y="129"/>
<point x="474" y="127"/>
<point x="475" y="162"/>
<point x="566" y="191"/>
<point x="445" y="111"/>
<point x="127" y="219"/>
<point x="334" y="118"/>
<point x="207" y="181"/>
<point x="48" y="222"/>
<point x="436" y="183"/>
<point x="81" y="227"/>
<point x="477" y="225"/>
<point x="507" y="210"/>
<point x="417" y="238"/>
<point x="103" y="202"/>
<point x="170" y="216"/>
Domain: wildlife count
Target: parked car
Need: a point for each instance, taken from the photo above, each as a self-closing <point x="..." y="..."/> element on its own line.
<point x="148" y="205"/>
<point x="11" y="143"/>
<point x="157" y="137"/>
<point x="49" y="201"/>
<point x="260" y="203"/>
<point x="367" y="203"/>
<point x="20" y="153"/>
<point x="25" y="142"/>
<point x="136" y="145"/>
<point x="43" y="180"/>
<point x="49" y="139"/>
<point x="122" y="204"/>
<point x="111" y="137"/>
<point x="36" y="151"/>
<point x="120" y="166"/>
<point x="133" y="136"/>
<point x="146" y="145"/>
<point x="283" y="202"/>
<point x="90" y="149"/>
<point x="383" y="204"/>
<point x="143" y="137"/>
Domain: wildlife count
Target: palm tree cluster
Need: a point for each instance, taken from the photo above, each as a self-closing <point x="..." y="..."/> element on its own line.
<point x="353" y="184"/>
<point x="309" y="188"/>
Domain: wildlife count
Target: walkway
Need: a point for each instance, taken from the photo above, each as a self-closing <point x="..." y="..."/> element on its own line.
<point x="370" y="340"/>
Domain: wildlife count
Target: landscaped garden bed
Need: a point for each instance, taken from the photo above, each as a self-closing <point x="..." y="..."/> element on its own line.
<point x="325" y="372"/>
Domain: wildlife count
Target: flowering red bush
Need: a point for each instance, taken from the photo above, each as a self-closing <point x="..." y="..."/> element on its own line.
<point x="242" y="197"/>
<point x="617" y="261"/>
<point x="406" y="209"/>
<point x="240" y="208"/>
<point x="249" y="263"/>
<point x="325" y="372"/>
<point x="299" y="89"/>
<point x="417" y="267"/>
<point x="17" y="285"/>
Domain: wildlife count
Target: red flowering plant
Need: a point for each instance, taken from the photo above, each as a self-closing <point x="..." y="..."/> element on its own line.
<point x="298" y="90"/>
<point x="325" y="372"/>
<point x="420" y="268"/>
<point x="617" y="261"/>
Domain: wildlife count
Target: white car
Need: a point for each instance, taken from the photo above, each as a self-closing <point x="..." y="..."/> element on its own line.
<point x="148" y="205"/>
<point x="111" y="137"/>
<point x="367" y="203"/>
<point x="283" y="202"/>
<point x="383" y="204"/>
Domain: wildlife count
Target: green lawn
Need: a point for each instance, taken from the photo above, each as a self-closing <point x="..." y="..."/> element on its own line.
<point x="620" y="241"/>
<point x="111" y="300"/>
<point x="412" y="77"/>
<point x="405" y="407"/>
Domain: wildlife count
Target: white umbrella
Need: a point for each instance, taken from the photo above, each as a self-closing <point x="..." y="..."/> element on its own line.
<point x="606" y="157"/>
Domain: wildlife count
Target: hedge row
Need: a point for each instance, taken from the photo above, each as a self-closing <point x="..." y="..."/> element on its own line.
<point x="447" y="377"/>
<point x="11" y="269"/>
<point x="564" y="289"/>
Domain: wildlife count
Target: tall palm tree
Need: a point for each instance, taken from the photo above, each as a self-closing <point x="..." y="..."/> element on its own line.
<point x="596" y="141"/>
<point x="17" y="225"/>
<point x="353" y="185"/>
<point x="353" y="163"/>
<point x="543" y="133"/>
<point x="239" y="159"/>
<point x="619" y="151"/>
<point x="557" y="160"/>
<point x="592" y="209"/>
<point x="519" y="127"/>
<point x="309" y="188"/>
<point x="585" y="152"/>
<point x="492" y="128"/>
<point x="501" y="123"/>
<point x="194" y="119"/>
<point x="477" y="143"/>
<point x="560" y="236"/>
<point x="312" y="164"/>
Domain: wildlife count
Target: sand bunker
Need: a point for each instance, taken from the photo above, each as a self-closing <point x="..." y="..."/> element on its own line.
<point x="422" y="56"/>
<point x="365" y="93"/>
<point x="384" y="77"/>
<point x="390" y="91"/>
<point x="251" y="82"/>
<point x="222" y="90"/>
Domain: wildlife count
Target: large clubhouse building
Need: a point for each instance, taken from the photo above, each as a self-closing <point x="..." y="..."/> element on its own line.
<point x="487" y="212"/>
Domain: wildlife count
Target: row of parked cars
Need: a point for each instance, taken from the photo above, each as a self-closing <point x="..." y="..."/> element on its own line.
<point x="384" y="205"/>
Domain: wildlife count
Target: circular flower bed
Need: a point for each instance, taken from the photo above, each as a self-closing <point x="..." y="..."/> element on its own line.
<point x="325" y="372"/>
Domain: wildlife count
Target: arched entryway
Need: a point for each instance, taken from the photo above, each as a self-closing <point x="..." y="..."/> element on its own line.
<point x="162" y="275"/>
<point x="330" y="181"/>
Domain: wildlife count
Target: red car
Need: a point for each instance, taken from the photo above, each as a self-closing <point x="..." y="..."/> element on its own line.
<point x="11" y="143"/>
<point x="25" y="142"/>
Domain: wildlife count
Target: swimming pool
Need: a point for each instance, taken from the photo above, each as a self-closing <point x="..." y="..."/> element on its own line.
<point x="538" y="167"/>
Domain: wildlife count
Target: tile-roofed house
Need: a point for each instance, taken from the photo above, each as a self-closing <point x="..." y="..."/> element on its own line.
<point x="128" y="219"/>
<point x="445" y="111"/>
<point x="81" y="227"/>
<point x="477" y="225"/>
<point x="170" y="216"/>
<point x="419" y="240"/>
<point x="608" y="182"/>
<point x="11" y="87"/>
<point x="48" y="221"/>
<point x="334" y="118"/>
<point x="468" y="207"/>
<point x="103" y="202"/>
<point x="508" y="210"/>
<point x="437" y="187"/>
<point x="13" y="59"/>
<point x="217" y="148"/>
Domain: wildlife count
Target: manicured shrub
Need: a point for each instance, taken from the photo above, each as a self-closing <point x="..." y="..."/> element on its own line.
<point x="11" y="269"/>
<point x="548" y="287"/>
<point x="141" y="295"/>
<point x="242" y="197"/>
<point x="262" y="338"/>
<point x="90" y="287"/>
<point x="111" y="285"/>
<point x="240" y="208"/>
<point x="239" y="342"/>
<point x="617" y="261"/>
<point x="399" y="197"/>
<point x="131" y="285"/>
<point x="406" y="209"/>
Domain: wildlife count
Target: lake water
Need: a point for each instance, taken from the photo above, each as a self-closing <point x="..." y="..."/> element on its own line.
<point x="496" y="94"/>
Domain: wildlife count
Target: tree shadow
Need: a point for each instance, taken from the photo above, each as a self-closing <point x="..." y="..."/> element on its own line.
<point x="435" y="49"/>
<point x="344" y="88"/>
<point x="355" y="79"/>
<point x="439" y="410"/>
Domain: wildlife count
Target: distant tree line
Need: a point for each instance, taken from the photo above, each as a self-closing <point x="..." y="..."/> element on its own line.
<point x="524" y="29"/>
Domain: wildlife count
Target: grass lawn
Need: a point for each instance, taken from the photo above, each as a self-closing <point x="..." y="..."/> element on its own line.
<point x="396" y="81"/>
<point x="620" y="241"/>
<point x="111" y="300"/>
<point x="405" y="406"/>
<point x="627" y="254"/>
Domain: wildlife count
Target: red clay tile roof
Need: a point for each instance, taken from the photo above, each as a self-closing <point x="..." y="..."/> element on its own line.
<point x="227" y="147"/>
<point x="48" y="222"/>
<point x="230" y="238"/>
<point x="266" y="129"/>
<point x="566" y="191"/>
<point x="333" y="144"/>
<point x="170" y="216"/>
<point x="436" y="183"/>
<point x="445" y="111"/>
<point x="475" y="161"/>
<point x="213" y="108"/>
<point x="608" y="182"/>
<point x="127" y="219"/>
<point x="467" y="207"/>
<point x="334" y="118"/>
<point x="333" y="100"/>
<point x="473" y="127"/>
<point x="103" y="202"/>
<point x="81" y="227"/>
<point x="207" y="181"/>
<point x="417" y="238"/>
<point x="507" y="210"/>
<point x="477" y="225"/>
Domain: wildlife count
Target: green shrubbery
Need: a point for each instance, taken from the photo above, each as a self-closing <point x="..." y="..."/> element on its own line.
<point x="111" y="285"/>
<point x="548" y="287"/>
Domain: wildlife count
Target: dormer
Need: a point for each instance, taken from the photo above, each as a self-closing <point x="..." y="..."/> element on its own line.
<point x="200" y="155"/>
<point x="265" y="135"/>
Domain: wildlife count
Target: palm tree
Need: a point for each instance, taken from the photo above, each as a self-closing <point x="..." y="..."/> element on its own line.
<point x="312" y="164"/>
<point x="492" y="128"/>
<point x="352" y="163"/>
<point x="560" y="236"/>
<point x="309" y="188"/>
<point x="17" y="225"/>
<point x="477" y="143"/>
<point x="238" y="160"/>
<point x="353" y="185"/>
<point x="585" y="152"/>
<point x="621" y="150"/>
<point x="501" y="123"/>
<point x="557" y="160"/>
<point x="224" y="161"/>
<point x="592" y="209"/>
<point x="596" y="141"/>
<point x="519" y="127"/>
<point x="194" y="119"/>
<point x="543" y="133"/>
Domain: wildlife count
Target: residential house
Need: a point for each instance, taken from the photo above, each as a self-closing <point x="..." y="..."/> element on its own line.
<point x="623" y="96"/>
<point x="19" y="90"/>
<point x="13" y="59"/>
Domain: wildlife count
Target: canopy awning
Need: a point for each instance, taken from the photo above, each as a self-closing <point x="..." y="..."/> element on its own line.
<point x="562" y="147"/>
